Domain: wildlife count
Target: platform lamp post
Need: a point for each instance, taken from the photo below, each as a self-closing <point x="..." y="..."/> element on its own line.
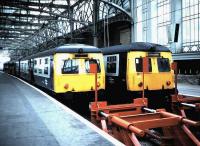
<point x="95" y="18"/>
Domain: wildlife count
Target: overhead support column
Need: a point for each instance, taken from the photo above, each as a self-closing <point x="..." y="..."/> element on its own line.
<point x="95" y="19"/>
<point x="71" y="23"/>
<point x="132" y="3"/>
<point x="176" y="18"/>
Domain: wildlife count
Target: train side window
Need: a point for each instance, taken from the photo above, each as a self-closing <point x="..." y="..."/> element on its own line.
<point x="35" y="62"/>
<point x="91" y="61"/>
<point x="40" y="71"/>
<point x="163" y="64"/>
<point x="111" y="64"/>
<point x="46" y="61"/>
<point x="138" y="64"/>
<point x="111" y="67"/>
<point x="35" y="70"/>
<point x="40" y="61"/>
<point x="70" y="66"/>
<point x="46" y="72"/>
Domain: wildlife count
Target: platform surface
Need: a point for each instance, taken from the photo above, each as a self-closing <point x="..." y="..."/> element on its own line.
<point x="28" y="118"/>
<point x="188" y="89"/>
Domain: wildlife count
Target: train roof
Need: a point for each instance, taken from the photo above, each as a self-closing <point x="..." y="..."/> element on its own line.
<point x="10" y="62"/>
<point x="136" y="46"/>
<point x="67" y="48"/>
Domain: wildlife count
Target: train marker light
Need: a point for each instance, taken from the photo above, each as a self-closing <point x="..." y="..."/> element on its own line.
<point x="140" y="84"/>
<point x="66" y="86"/>
<point x="98" y="84"/>
<point x="168" y="83"/>
<point x="80" y="50"/>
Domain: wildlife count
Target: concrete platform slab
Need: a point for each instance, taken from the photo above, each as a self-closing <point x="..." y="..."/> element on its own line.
<point x="188" y="89"/>
<point x="29" y="118"/>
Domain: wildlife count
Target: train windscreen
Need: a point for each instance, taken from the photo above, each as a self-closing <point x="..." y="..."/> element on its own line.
<point x="71" y="66"/>
<point x="163" y="65"/>
<point x="138" y="64"/>
<point x="92" y="61"/>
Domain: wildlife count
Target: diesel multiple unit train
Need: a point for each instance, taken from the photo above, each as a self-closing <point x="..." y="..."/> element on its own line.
<point x="65" y="69"/>
<point x="124" y="72"/>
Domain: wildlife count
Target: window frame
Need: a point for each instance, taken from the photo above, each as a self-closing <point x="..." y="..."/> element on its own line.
<point x="44" y="71"/>
<point x="39" y="69"/>
<point x="98" y="65"/>
<point x="46" y="61"/>
<point x="169" y="69"/>
<point x="77" y="64"/>
<point x="150" y="65"/>
<point x="116" y="61"/>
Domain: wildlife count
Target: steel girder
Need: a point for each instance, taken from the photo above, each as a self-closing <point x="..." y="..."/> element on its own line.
<point x="82" y="11"/>
<point x="18" y="15"/>
<point x="9" y="21"/>
<point x="17" y="29"/>
<point x="27" y="4"/>
<point x="75" y="19"/>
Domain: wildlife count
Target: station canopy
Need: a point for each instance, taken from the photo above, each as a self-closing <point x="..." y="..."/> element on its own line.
<point x="32" y="24"/>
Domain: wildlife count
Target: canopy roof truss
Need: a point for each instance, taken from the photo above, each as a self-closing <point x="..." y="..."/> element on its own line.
<point x="32" y="24"/>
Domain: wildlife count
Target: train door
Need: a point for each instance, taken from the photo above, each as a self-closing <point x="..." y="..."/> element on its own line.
<point x="31" y="66"/>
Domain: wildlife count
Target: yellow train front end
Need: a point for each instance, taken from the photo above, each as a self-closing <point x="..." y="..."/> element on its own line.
<point x="159" y="77"/>
<point x="72" y="72"/>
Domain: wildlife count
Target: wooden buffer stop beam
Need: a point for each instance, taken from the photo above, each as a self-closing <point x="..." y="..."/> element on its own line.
<point x="127" y="122"/>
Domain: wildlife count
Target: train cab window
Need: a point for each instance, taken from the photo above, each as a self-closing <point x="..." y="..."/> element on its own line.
<point x="163" y="64"/>
<point x="111" y="66"/>
<point x="70" y="66"/>
<point x="138" y="64"/>
<point x="46" y="71"/>
<point x="92" y="61"/>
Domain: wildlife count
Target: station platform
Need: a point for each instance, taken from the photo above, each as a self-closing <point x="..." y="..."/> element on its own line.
<point x="29" y="117"/>
<point x="188" y="89"/>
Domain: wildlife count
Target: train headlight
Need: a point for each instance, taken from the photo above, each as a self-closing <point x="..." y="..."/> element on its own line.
<point x="168" y="83"/>
<point x="66" y="86"/>
<point x="140" y="84"/>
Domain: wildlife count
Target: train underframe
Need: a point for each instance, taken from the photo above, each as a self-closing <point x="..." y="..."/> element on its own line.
<point x="79" y="101"/>
<point x="156" y="98"/>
